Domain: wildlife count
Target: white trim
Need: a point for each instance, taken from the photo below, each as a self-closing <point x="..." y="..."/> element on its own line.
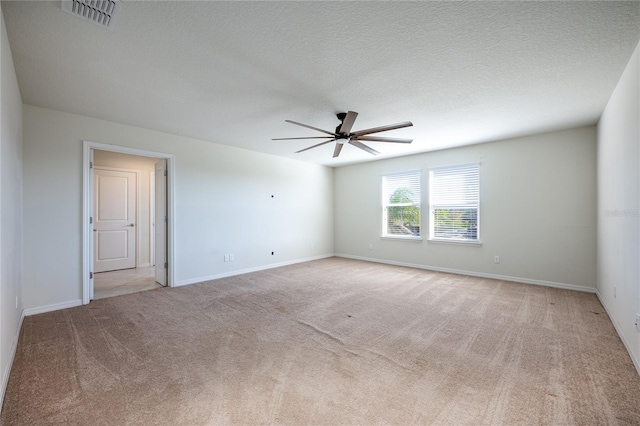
<point x="453" y="166"/>
<point x="152" y="218"/>
<point x="475" y="274"/>
<point x="14" y="348"/>
<point x="87" y="228"/>
<point x="399" y="238"/>
<point x="455" y="242"/>
<point x="402" y="172"/>
<point x="627" y="345"/>
<point x="249" y="270"/>
<point x="87" y="233"/>
<point x="51" y="308"/>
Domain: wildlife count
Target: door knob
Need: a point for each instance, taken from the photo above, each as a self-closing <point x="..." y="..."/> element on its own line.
<point x="131" y="225"/>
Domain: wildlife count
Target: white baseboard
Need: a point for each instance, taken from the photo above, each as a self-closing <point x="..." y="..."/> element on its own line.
<point x="144" y="265"/>
<point x="634" y="359"/>
<point x="14" y="347"/>
<point x="249" y="270"/>
<point x="51" y="308"/>
<point x="475" y="274"/>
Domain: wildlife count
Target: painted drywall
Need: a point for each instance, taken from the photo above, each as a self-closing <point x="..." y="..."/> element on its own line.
<point x="537" y="210"/>
<point x="619" y="206"/>
<point x="145" y="166"/>
<point x="227" y="201"/>
<point x="10" y="209"/>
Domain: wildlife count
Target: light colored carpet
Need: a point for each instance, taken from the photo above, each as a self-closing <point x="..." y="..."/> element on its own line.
<point x="329" y="342"/>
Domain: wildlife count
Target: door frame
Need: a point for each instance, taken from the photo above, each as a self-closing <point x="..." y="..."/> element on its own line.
<point x="87" y="210"/>
<point x="152" y="218"/>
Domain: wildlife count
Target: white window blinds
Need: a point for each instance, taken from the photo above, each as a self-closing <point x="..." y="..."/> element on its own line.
<point x="454" y="202"/>
<point x="401" y="198"/>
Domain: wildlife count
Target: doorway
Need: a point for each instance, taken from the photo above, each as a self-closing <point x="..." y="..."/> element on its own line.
<point x="127" y="232"/>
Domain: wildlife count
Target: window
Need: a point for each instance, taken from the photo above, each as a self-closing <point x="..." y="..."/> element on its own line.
<point x="401" y="205"/>
<point x="454" y="203"/>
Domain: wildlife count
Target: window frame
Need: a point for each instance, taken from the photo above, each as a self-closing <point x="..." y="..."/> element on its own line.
<point x="385" y="205"/>
<point x="432" y="205"/>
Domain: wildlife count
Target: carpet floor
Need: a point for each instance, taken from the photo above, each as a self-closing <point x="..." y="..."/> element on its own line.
<point x="329" y="342"/>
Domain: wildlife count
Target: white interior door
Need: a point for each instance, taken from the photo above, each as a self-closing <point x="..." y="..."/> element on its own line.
<point x="90" y="205"/>
<point x="114" y="226"/>
<point x="160" y="231"/>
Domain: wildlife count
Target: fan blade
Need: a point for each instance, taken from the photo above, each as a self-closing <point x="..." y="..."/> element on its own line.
<point x="321" y="143"/>
<point x="310" y="127"/>
<point x="337" y="149"/>
<point x="364" y="147"/>
<point x="383" y="128"/>
<point x="306" y="137"/>
<point x="381" y="139"/>
<point x="348" y="121"/>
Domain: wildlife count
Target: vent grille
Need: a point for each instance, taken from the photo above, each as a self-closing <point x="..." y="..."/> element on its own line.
<point x="100" y="12"/>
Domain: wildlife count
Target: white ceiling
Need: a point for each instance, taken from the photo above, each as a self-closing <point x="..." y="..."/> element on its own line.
<point x="232" y="72"/>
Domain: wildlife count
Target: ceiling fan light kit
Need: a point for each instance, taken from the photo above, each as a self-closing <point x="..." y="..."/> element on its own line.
<point x="343" y="135"/>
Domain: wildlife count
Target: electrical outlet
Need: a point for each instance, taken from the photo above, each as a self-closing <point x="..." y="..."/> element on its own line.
<point x="638" y="323"/>
<point x="226" y="257"/>
<point x="614" y="292"/>
<point x="496" y="259"/>
<point x="16" y="302"/>
<point x="370" y="246"/>
<point x="231" y="258"/>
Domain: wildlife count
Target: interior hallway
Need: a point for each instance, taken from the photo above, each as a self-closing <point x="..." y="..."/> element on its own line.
<point x="125" y="281"/>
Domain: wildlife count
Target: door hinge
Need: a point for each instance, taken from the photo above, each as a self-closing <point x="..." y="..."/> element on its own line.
<point x="90" y="275"/>
<point x="165" y="173"/>
<point x="166" y="219"/>
<point x="166" y="265"/>
<point x="91" y="164"/>
<point x="90" y="220"/>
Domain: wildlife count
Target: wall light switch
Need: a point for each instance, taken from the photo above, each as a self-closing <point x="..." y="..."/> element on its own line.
<point x="638" y="323"/>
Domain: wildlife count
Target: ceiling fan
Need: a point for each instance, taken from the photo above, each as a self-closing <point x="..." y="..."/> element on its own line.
<point x="344" y="135"/>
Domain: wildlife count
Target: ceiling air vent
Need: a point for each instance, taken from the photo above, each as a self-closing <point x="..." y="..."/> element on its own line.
<point x="100" y="12"/>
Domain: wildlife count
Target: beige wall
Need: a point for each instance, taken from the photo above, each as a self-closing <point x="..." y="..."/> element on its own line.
<point x="537" y="210"/>
<point x="619" y="206"/>
<point x="223" y="204"/>
<point x="145" y="166"/>
<point x="11" y="277"/>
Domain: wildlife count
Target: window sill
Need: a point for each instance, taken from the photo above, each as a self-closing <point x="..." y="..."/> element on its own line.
<point x="399" y="238"/>
<point x="455" y="242"/>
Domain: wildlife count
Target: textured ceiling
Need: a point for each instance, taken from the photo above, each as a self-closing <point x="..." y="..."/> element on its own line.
<point x="232" y="72"/>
